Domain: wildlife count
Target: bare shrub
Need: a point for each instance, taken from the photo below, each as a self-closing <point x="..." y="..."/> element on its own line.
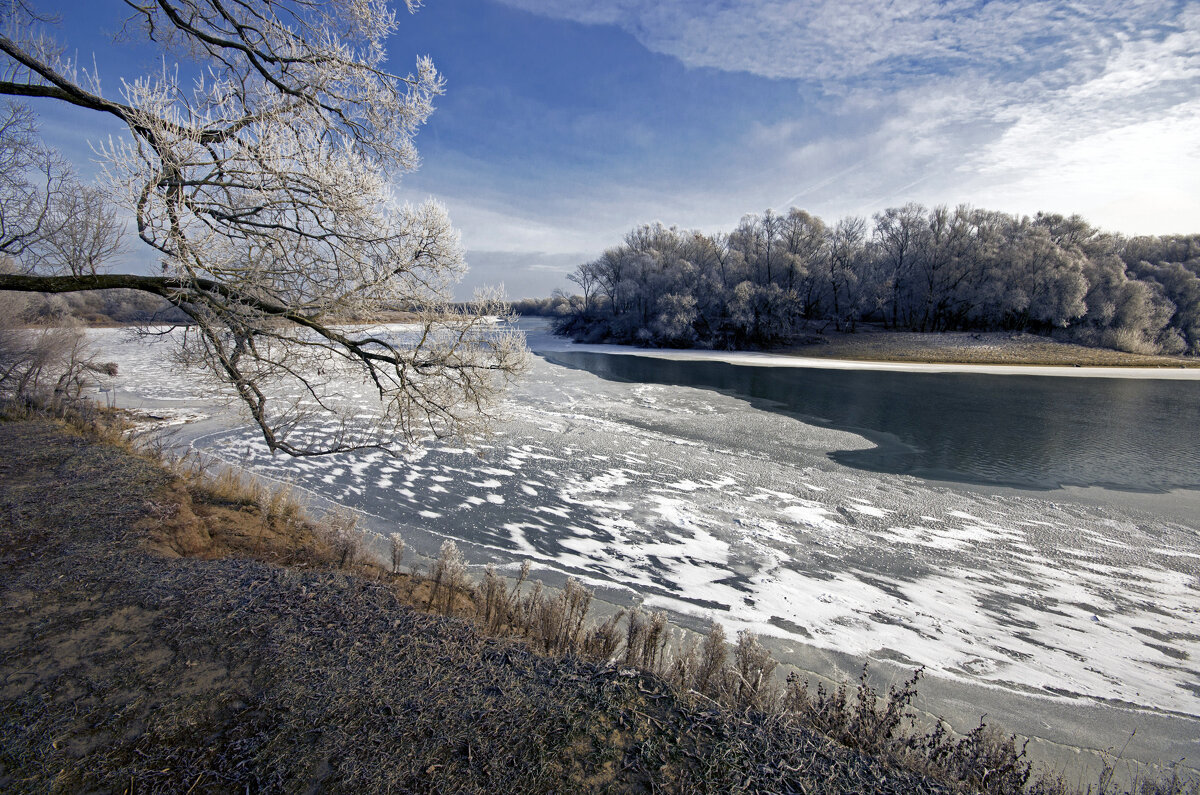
<point x="448" y="578"/>
<point x="577" y="601"/>
<point x="49" y="366"/>
<point x="713" y="653"/>
<point x="416" y="575"/>
<point x="753" y="668"/>
<point x="515" y="596"/>
<point x="682" y="672"/>
<point x="560" y="620"/>
<point x="603" y="639"/>
<point x="1173" y="781"/>
<point x="823" y="709"/>
<point x="397" y="547"/>
<point x="525" y="608"/>
<point x="867" y="721"/>
<point x="502" y="610"/>
<point x="280" y="505"/>
<point x="233" y="486"/>
<point x="339" y="527"/>
<point x="547" y="617"/>
<point x="491" y="601"/>
<point x="984" y="760"/>
<point x="635" y="636"/>
<point x="654" y="642"/>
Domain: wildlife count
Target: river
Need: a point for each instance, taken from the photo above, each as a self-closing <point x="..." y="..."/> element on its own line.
<point x="1029" y="540"/>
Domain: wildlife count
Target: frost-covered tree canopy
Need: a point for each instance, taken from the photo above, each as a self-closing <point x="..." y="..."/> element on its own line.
<point x="262" y="181"/>
<point x="776" y="277"/>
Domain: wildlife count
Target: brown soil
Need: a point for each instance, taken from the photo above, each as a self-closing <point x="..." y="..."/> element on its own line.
<point x="871" y="344"/>
<point x="125" y="667"/>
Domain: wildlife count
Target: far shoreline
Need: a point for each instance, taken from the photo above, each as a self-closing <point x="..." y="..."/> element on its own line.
<point x="990" y="353"/>
<point x="979" y="347"/>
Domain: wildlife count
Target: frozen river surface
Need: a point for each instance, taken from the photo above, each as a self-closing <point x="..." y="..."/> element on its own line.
<point x="703" y="504"/>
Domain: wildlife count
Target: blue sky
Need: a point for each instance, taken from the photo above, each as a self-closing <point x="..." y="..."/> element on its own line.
<point x="567" y="122"/>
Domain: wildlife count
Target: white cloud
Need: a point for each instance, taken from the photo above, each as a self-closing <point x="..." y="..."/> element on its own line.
<point x="1022" y="106"/>
<point x="584" y="223"/>
<point x="1011" y="106"/>
<point x="492" y="229"/>
<point x="1135" y="177"/>
<point x="842" y="39"/>
<point x="1142" y="82"/>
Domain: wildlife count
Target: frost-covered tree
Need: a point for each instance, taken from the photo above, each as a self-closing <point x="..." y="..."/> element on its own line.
<point x="898" y="236"/>
<point x="259" y="171"/>
<point x="845" y="270"/>
<point x="31" y="176"/>
<point x="1182" y="287"/>
<point x="81" y="234"/>
<point x="779" y="277"/>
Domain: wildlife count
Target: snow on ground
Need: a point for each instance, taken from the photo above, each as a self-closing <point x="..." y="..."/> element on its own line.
<point x="707" y="506"/>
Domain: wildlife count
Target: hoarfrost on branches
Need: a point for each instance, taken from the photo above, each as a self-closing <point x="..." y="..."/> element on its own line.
<point x="262" y="180"/>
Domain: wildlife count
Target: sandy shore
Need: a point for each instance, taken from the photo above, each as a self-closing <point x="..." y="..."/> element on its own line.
<point x="954" y="352"/>
<point x="996" y="348"/>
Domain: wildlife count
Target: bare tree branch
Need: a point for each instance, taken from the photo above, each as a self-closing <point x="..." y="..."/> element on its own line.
<point x="265" y="190"/>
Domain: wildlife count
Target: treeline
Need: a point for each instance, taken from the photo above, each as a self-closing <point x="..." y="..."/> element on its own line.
<point x="556" y="305"/>
<point x="97" y="307"/>
<point x="777" y="277"/>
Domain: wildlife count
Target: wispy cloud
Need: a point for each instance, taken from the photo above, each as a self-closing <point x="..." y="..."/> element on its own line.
<point x="843" y="39"/>
<point x="1141" y="81"/>
<point x="1036" y="104"/>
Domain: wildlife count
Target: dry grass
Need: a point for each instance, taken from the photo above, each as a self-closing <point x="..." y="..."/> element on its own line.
<point x="871" y="344"/>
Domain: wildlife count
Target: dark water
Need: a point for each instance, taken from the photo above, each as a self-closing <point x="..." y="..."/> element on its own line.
<point x="1037" y="432"/>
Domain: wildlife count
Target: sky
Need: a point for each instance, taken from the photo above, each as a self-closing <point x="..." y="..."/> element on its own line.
<point x="565" y="123"/>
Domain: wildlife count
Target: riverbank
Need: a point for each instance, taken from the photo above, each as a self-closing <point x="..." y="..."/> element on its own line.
<point x="126" y="667"/>
<point x="138" y="665"/>
<point x="873" y="345"/>
<point x="989" y="348"/>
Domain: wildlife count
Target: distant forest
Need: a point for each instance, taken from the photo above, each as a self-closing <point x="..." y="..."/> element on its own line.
<point x="781" y="277"/>
<point x="98" y="307"/>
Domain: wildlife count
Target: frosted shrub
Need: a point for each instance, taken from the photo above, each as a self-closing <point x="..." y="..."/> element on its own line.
<point x="684" y="667"/>
<point x="340" y="530"/>
<point x="448" y="578"/>
<point x="603" y="639"/>
<point x="397" y="543"/>
<point x="491" y="601"/>
<point x="655" y="643"/>
<point x="1129" y="340"/>
<point x="713" y="652"/>
<point x="754" y="668"/>
<point x="558" y="622"/>
<point x="635" y="636"/>
<point x="280" y="504"/>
